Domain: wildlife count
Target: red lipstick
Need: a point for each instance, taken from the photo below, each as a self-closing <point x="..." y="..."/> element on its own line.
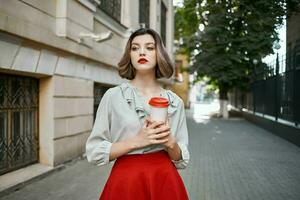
<point x="142" y="60"/>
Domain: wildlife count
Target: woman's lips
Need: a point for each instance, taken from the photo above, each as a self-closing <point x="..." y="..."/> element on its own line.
<point x="142" y="60"/>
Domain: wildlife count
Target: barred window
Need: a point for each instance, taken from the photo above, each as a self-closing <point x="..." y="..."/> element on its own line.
<point x="144" y="10"/>
<point x="99" y="91"/>
<point x="19" y="103"/>
<point x="163" y="23"/>
<point x="111" y="8"/>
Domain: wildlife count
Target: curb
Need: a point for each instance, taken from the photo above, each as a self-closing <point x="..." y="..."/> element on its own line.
<point x="19" y="186"/>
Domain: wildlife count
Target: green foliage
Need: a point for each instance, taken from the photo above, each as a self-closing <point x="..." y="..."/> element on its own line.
<point x="237" y="35"/>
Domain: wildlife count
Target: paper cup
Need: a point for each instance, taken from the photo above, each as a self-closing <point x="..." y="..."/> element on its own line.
<point x="158" y="109"/>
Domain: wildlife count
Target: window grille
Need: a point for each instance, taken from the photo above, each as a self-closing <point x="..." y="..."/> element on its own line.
<point x="18" y="122"/>
<point x="99" y="91"/>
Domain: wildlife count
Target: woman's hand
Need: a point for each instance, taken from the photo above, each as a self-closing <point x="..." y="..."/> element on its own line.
<point x="171" y="146"/>
<point x="152" y="133"/>
<point x="171" y="141"/>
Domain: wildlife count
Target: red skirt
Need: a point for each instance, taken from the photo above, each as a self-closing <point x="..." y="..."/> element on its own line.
<point x="150" y="176"/>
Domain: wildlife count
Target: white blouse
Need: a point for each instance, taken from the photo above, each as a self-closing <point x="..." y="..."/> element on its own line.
<point x="121" y="114"/>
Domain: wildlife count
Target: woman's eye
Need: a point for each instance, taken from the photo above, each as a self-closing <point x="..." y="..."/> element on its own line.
<point x="134" y="48"/>
<point x="150" y="48"/>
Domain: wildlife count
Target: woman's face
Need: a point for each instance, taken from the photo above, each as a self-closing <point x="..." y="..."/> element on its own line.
<point x="143" y="52"/>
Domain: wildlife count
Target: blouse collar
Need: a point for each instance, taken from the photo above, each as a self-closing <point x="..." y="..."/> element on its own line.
<point x="131" y="95"/>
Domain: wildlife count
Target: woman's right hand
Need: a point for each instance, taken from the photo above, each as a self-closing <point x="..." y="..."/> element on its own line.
<point x="151" y="133"/>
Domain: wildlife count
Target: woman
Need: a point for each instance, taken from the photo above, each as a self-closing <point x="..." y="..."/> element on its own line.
<point x="147" y="152"/>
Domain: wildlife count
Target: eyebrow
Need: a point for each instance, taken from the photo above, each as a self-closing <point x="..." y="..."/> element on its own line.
<point x="145" y="43"/>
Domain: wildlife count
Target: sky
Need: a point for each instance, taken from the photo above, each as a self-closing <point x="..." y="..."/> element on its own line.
<point x="177" y="2"/>
<point x="282" y="43"/>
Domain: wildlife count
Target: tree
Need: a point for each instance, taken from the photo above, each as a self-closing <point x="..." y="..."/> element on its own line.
<point x="226" y="39"/>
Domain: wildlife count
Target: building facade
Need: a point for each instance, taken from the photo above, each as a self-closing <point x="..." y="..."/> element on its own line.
<point x="57" y="58"/>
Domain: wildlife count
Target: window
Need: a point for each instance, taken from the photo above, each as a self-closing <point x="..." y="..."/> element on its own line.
<point x="18" y="122"/>
<point x="163" y="22"/>
<point x="112" y="8"/>
<point x="99" y="91"/>
<point x="144" y="11"/>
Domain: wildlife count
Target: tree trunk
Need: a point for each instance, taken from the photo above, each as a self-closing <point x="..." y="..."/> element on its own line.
<point x="223" y="90"/>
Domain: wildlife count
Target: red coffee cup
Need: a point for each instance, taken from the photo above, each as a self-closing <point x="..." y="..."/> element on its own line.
<point x="158" y="108"/>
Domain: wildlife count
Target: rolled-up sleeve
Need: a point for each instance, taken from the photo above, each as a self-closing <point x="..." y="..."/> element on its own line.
<point x="182" y="139"/>
<point x="99" y="142"/>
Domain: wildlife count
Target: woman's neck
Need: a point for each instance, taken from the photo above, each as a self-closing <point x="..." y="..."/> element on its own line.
<point x="146" y="82"/>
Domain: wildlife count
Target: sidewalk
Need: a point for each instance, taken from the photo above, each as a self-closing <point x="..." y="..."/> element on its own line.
<point x="236" y="160"/>
<point x="231" y="160"/>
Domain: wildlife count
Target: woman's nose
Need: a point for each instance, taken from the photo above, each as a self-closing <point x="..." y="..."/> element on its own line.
<point x="142" y="52"/>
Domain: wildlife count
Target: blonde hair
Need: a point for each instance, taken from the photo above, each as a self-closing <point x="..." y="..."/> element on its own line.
<point x="164" y="67"/>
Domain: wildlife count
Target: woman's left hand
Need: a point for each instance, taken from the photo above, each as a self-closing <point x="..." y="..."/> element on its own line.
<point x="171" y="145"/>
<point x="171" y="142"/>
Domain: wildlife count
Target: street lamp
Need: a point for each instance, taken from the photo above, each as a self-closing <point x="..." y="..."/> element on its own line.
<point x="277" y="47"/>
<point x="255" y="62"/>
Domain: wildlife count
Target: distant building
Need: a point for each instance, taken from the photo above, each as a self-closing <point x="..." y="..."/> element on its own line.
<point x="291" y="95"/>
<point x="293" y="41"/>
<point x="57" y="58"/>
<point x="182" y="84"/>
